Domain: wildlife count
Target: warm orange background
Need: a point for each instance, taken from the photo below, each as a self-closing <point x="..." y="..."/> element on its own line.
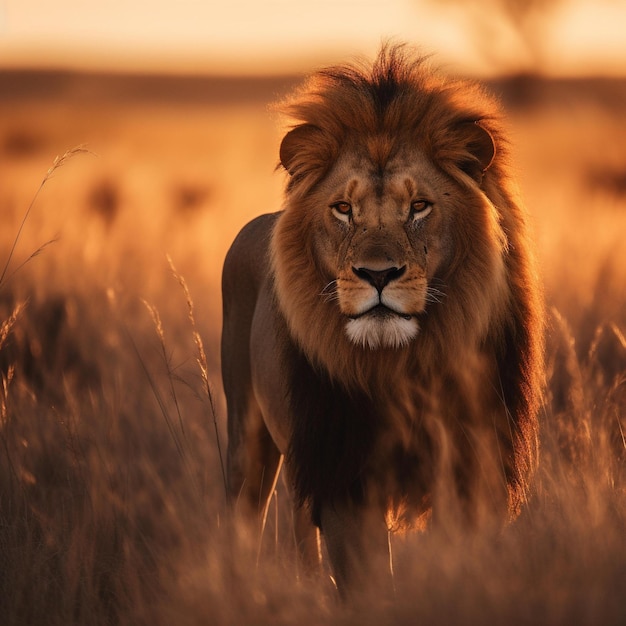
<point x="247" y="36"/>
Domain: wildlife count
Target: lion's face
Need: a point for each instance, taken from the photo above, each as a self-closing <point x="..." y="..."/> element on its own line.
<point x="381" y="238"/>
<point x="391" y="207"/>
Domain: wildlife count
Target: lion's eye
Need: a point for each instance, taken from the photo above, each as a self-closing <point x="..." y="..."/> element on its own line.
<point x="342" y="211"/>
<point x="420" y="209"/>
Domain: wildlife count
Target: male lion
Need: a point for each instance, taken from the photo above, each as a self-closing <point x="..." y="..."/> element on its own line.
<point x="382" y="333"/>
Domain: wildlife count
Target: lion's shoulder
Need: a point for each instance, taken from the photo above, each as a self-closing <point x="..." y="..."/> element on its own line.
<point x="247" y="261"/>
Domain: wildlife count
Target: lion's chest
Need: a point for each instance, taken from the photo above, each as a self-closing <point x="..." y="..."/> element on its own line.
<point x="348" y="445"/>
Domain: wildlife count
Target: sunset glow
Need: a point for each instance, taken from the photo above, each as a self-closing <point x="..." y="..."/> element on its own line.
<point x="278" y="36"/>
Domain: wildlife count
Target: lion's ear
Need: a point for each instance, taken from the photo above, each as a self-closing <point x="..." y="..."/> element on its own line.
<point x="296" y="143"/>
<point x="480" y="145"/>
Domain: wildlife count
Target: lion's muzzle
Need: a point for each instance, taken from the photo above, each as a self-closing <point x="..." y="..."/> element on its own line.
<point x="373" y="298"/>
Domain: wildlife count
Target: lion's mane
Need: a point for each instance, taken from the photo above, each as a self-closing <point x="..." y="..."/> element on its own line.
<point x="492" y="301"/>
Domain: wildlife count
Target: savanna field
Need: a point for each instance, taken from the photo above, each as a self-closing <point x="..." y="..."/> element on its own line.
<point x="112" y="418"/>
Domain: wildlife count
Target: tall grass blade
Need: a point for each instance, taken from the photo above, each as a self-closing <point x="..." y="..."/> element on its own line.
<point x="164" y="412"/>
<point x="201" y="360"/>
<point x="156" y="319"/>
<point x="58" y="162"/>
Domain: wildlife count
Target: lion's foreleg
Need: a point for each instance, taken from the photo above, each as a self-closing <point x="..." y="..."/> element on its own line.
<point x="356" y="539"/>
<point x="254" y="462"/>
<point x="305" y="533"/>
<point x="307" y="541"/>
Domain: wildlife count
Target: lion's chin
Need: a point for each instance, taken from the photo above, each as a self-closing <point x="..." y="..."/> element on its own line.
<point x="375" y="331"/>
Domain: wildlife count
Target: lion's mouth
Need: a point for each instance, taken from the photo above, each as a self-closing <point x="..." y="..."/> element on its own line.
<point x="381" y="312"/>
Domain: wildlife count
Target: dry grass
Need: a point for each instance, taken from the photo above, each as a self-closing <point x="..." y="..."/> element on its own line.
<point x="112" y="506"/>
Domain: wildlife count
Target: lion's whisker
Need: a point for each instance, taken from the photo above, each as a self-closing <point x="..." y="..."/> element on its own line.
<point x="330" y="285"/>
<point x="329" y="293"/>
<point x="434" y="295"/>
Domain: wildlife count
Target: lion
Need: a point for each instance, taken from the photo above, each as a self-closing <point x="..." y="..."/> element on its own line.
<point x="382" y="333"/>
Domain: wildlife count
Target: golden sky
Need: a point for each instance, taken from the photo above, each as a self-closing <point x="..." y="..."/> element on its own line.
<point x="269" y="36"/>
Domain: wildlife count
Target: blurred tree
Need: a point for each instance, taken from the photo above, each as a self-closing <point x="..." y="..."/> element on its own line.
<point x="510" y="35"/>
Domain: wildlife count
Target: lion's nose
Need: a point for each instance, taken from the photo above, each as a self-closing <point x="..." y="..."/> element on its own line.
<point x="379" y="278"/>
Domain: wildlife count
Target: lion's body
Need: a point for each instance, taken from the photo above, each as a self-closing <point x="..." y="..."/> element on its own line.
<point x="384" y="329"/>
